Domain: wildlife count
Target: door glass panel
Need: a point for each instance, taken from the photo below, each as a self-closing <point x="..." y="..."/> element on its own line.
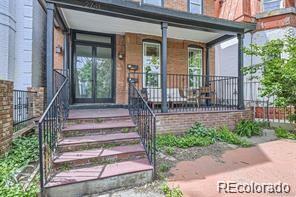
<point x="83" y="79"/>
<point x="103" y="61"/>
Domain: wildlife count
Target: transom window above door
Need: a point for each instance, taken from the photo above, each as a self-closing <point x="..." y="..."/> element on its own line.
<point x="153" y="2"/>
<point x="151" y="64"/>
<point x="269" y="5"/>
<point x="195" y="67"/>
<point x="195" y="6"/>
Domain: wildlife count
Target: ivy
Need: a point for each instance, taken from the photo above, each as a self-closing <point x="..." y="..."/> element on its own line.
<point x="24" y="150"/>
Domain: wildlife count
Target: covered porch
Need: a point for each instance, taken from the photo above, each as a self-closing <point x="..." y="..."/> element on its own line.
<point x="167" y="55"/>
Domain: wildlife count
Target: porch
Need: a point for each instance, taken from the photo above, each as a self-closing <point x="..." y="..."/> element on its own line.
<point x="172" y="48"/>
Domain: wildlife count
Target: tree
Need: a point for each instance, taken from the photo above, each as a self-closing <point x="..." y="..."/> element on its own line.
<point x="278" y="68"/>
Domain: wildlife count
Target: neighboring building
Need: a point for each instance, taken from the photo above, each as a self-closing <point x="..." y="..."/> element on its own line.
<point x="274" y="18"/>
<point x="22" y="48"/>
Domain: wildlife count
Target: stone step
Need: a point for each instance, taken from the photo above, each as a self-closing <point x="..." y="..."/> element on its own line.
<point x="97" y="116"/>
<point x="106" y="127"/>
<point x="98" y="179"/>
<point x="98" y="156"/>
<point x="69" y="144"/>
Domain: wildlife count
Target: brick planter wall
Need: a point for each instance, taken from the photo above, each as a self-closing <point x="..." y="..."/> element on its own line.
<point x="6" y="115"/>
<point x="38" y="100"/>
<point x="181" y="122"/>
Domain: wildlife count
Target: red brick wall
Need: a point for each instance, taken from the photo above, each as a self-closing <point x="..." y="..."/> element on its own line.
<point x="58" y="41"/>
<point x="170" y="123"/>
<point x="132" y="45"/>
<point x="6" y="115"/>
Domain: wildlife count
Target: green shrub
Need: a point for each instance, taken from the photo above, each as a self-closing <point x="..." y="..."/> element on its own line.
<point x="283" y="133"/>
<point x="225" y="135"/>
<point x="23" y="151"/>
<point x="174" y="192"/>
<point x="183" y="141"/>
<point x="248" y="128"/>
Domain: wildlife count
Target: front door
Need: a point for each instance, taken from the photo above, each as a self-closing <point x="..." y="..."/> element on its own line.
<point x="93" y="73"/>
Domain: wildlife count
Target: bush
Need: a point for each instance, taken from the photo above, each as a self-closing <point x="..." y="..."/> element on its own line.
<point x="225" y="135"/>
<point x="283" y="133"/>
<point x="183" y="141"/>
<point x="248" y="128"/>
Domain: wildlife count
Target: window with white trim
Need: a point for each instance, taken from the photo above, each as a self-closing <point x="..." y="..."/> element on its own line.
<point x="153" y="2"/>
<point x="269" y="5"/>
<point x="151" y="64"/>
<point x="195" y="6"/>
<point x="195" y="67"/>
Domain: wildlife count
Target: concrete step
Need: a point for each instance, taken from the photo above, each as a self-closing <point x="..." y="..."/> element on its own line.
<point x="69" y="144"/>
<point x="97" y="115"/>
<point x="98" y="179"/>
<point x="98" y="156"/>
<point x="105" y="127"/>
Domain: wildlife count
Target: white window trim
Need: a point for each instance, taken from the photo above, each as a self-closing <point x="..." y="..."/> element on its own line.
<point x="143" y="71"/>
<point x="281" y="5"/>
<point x="200" y="4"/>
<point x="201" y="69"/>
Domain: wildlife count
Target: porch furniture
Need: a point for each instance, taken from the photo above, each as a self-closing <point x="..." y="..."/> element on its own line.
<point x="190" y="97"/>
<point x="206" y="94"/>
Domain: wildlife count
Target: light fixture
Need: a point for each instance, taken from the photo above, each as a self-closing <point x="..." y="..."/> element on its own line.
<point x="120" y="56"/>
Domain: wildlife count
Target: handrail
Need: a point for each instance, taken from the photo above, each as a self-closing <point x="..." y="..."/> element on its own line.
<point x="50" y="123"/>
<point x="145" y="119"/>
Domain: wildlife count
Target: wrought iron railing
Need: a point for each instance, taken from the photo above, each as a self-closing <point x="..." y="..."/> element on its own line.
<point x="188" y="92"/>
<point x="264" y="107"/>
<point x="49" y="125"/>
<point x="23" y="107"/>
<point x="144" y="118"/>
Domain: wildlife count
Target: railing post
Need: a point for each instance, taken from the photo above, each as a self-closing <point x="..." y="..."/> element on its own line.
<point x="240" y="83"/>
<point x="164" y="106"/>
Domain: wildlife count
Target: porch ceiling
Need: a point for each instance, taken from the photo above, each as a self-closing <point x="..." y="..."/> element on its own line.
<point x="113" y="25"/>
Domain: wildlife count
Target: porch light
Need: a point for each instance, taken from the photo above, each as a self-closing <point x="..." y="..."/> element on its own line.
<point x="120" y="56"/>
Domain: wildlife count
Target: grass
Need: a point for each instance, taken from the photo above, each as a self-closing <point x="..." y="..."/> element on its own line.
<point x="23" y="151"/>
<point x="283" y="133"/>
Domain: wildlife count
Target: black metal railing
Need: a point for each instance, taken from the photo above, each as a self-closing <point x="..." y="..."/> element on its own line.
<point x="23" y="107"/>
<point x="49" y="125"/>
<point x="59" y="77"/>
<point x="144" y="118"/>
<point x="264" y="107"/>
<point x="188" y="92"/>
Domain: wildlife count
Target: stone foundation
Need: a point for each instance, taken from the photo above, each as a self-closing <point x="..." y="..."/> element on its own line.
<point x="181" y="122"/>
<point x="6" y="115"/>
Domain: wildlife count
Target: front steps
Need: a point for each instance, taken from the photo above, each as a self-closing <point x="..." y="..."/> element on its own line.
<point x="99" y="150"/>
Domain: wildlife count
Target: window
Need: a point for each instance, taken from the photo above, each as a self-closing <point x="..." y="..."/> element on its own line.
<point x="195" y="6"/>
<point x="269" y="5"/>
<point x="93" y="38"/>
<point x="151" y="64"/>
<point x="195" y="67"/>
<point x="153" y="2"/>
